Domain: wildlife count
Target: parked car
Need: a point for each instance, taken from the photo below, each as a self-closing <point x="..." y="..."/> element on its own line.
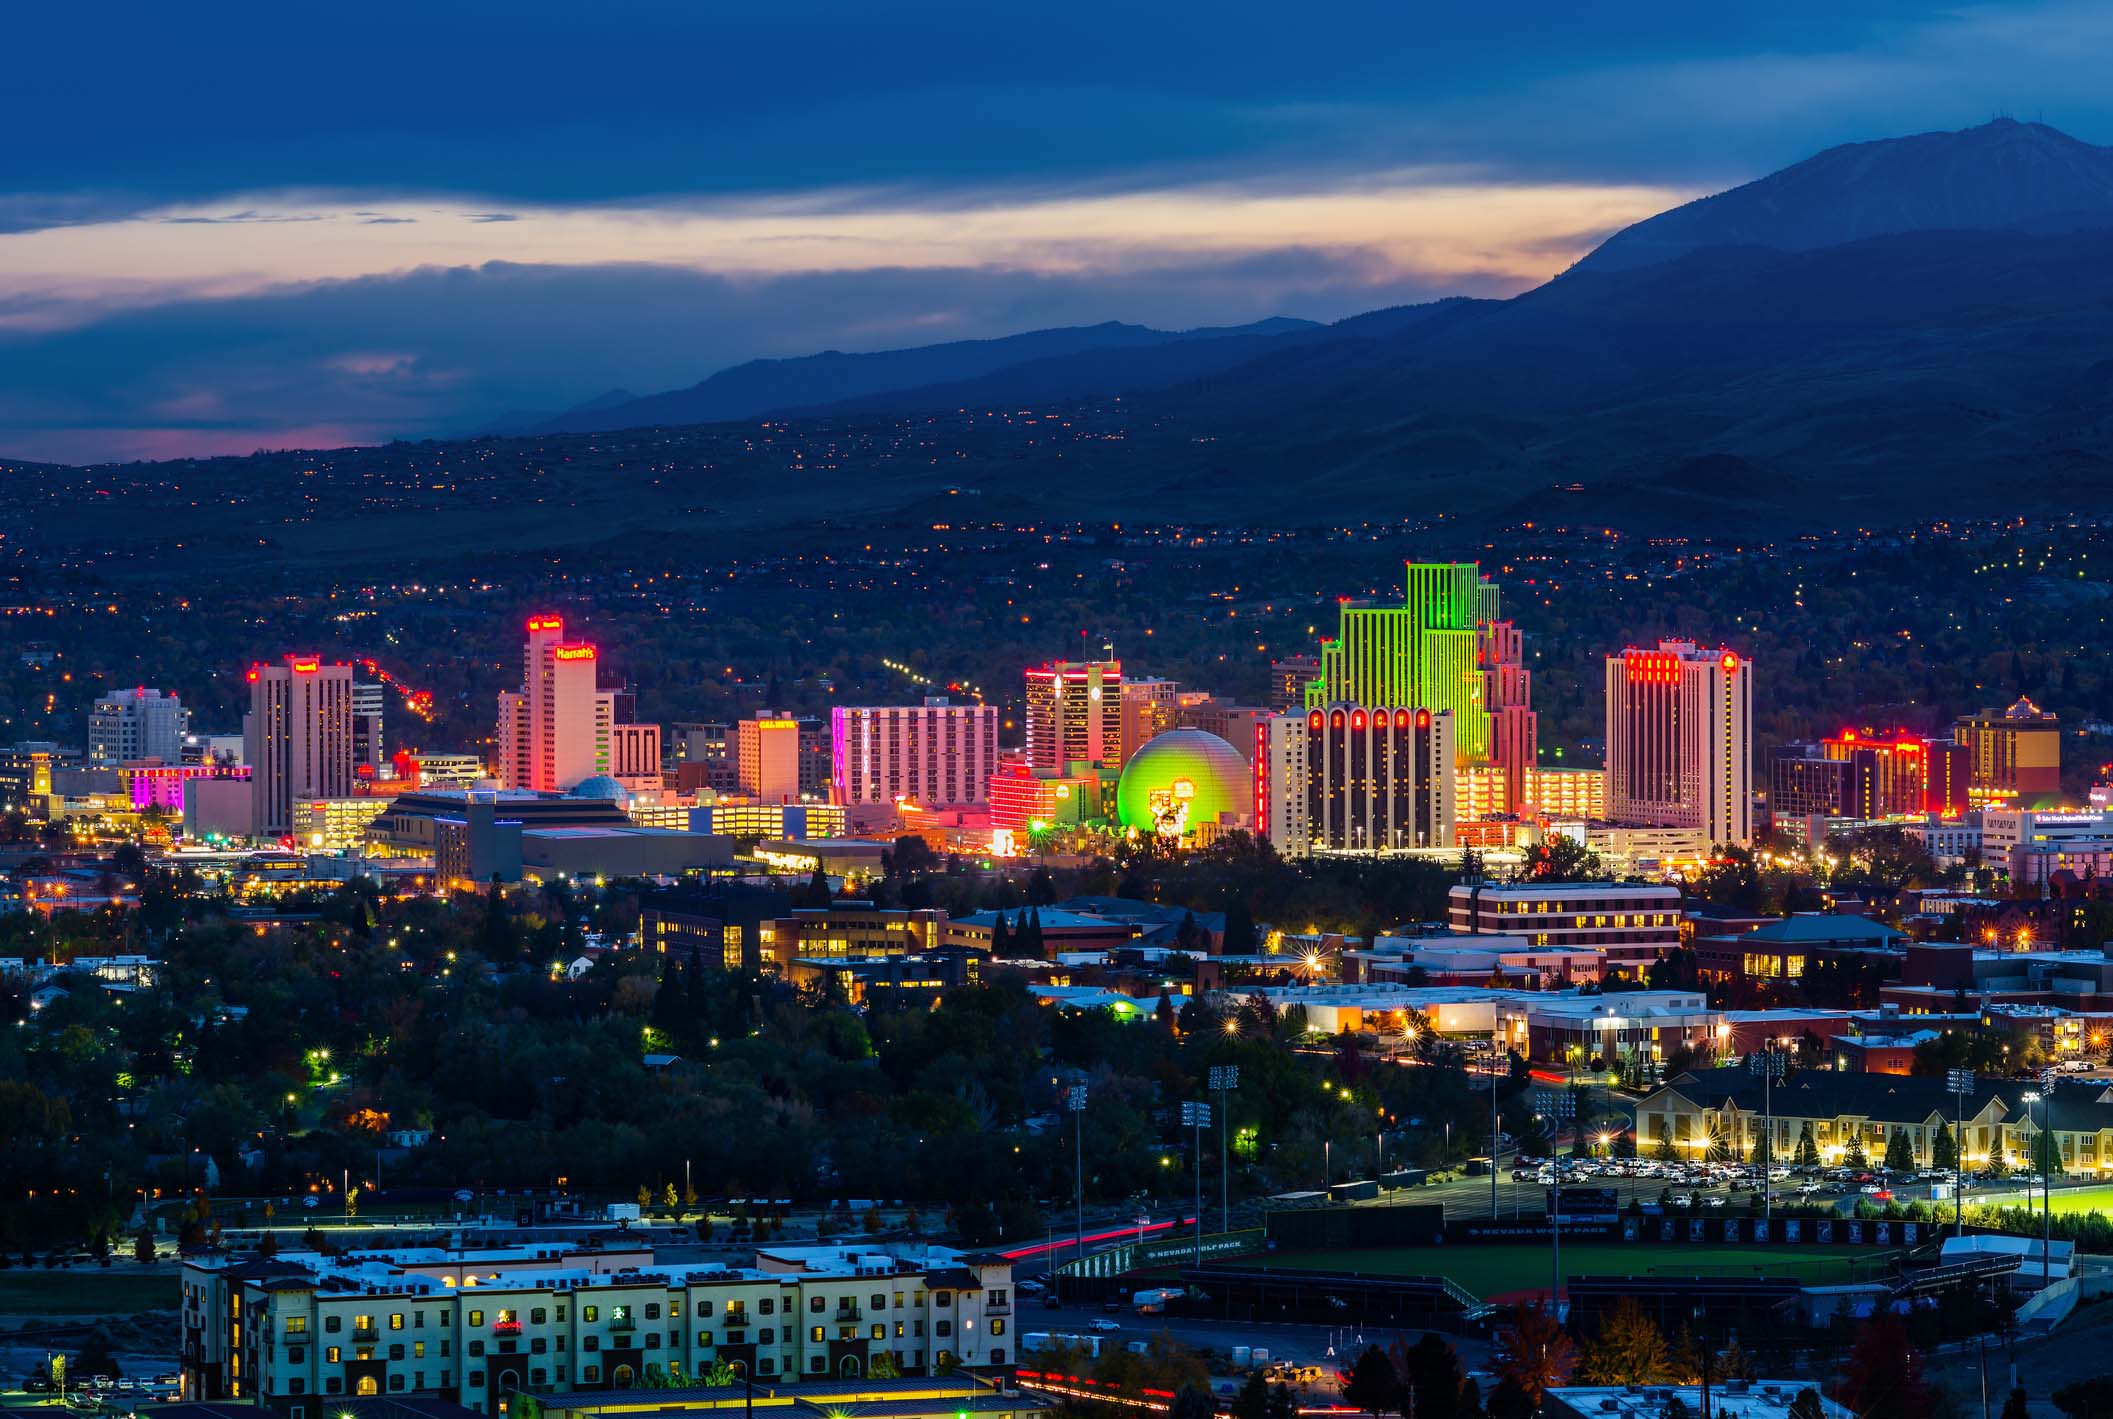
<point x="1106" y="1326"/>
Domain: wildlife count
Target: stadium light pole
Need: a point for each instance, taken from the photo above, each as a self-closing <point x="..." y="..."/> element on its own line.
<point x="1224" y="1078"/>
<point x="1075" y="1100"/>
<point x="1960" y="1082"/>
<point x="1197" y="1117"/>
<point x="1767" y="1062"/>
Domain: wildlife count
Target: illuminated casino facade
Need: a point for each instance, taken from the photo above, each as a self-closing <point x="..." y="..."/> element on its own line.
<point x="1679" y="731"/>
<point x="1074" y="715"/>
<point x="1352" y="778"/>
<point x="1448" y="649"/>
<point x="1183" y="784"/>
<point x="296" y="738"/>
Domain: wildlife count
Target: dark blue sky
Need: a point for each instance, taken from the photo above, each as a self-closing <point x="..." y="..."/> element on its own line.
<point x="233" y="225"/>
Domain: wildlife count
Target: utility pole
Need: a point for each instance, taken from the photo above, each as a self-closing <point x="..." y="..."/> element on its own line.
<point x="1198" y="1116"/>
<point x="1961" y="1083"/>
<point x="1075" y="1100"/>
<point x="1224" y="1078"/>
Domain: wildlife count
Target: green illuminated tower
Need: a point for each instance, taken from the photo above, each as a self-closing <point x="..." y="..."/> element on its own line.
<point x="1418" y="655"/>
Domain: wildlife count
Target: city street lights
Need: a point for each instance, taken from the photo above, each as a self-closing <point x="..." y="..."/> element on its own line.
<point x="1224" y="1078"/>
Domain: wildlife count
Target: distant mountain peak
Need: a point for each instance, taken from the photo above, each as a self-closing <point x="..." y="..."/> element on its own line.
<point x="2003" y="175"/>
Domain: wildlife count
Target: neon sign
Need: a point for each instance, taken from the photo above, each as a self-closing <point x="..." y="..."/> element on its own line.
<point x="305" y="664"/>
<point x="546" y="623"/>
<point x="574" y="652"/>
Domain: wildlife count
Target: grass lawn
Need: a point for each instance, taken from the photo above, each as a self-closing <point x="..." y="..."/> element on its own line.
<point x="1499" y="1270"/>
<point x="82" y="1293"/>
<point x="2073" y="1199"/>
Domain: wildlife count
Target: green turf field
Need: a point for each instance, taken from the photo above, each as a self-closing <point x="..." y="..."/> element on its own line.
<point x="1499" y="1270"/>
<point x="2074" y="1199"/>
<point x="85" y="1293"/>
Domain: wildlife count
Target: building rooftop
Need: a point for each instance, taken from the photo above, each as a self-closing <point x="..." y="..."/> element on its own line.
<point x="1736" y="1399"/>
<point x="1566" y="889"/>
<point x="1817" y="928"/>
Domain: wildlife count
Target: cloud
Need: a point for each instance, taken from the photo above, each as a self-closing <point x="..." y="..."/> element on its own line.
<point x="444" y="350"/>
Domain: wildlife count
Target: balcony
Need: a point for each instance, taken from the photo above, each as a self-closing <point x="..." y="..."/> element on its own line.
<point x="998" y="1308"/>
<point x="849" y="1312"/>
<point x="365" y="1334"/>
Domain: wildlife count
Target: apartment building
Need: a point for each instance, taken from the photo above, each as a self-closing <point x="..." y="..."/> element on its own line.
<point x="302" y="1331"/>
<point x="1723" y="1111"/>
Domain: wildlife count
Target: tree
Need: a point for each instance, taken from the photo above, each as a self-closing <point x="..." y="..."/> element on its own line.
<point x="1662" y="1150"/>
<point x="96" y="1357"/>
<point x="143" y="1247"/>
<point x="1373" y="1385"/>
<point x="883" y="1367"/>
<point x="1944" y="1149"/>
<point x="2086" y="1399"/>
<point x="1538" y="1355"/>
<point x="2015" y="1406"/>
<point x="1808" y="1405"/>
<point x="1630" y="1349"/>
<point x="1509" y="1400"/>
<point x="1808" y="1148"/>
<point x="1429" y="1376"/>
<point x="1000" y="937"/>
<point x="1900" y="1157"/>
<point x="1252" y="1402"/>
<point x="1882" y="1376"/>
<point x="1733" y="1363"/>
<point x="2046" y="1154"/>
<point x="1191" y="1402"/>
<point x="1854" y="1155"/>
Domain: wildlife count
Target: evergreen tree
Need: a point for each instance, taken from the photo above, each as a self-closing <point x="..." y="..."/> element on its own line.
<point x="1900" y="1157"/>
<point x="1662" y="1150"/>
<point x="1239" y="928"/>
<point x="671" y="1003"/>
<point x="1944" y="1149"/>
<point x="1854" y="1155"/>
<point x="1630" y="1349"/>
<point x="1372" y="1385"/>
<point x="498" y="944"/>
<point x="1188" y="936"/>
<point x="1000" y="937"/>
<point x="1808" y="1405"/>
<point x="1808" y="1149"/>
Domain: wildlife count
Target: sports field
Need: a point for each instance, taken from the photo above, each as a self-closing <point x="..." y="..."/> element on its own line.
<point x="2066" y="1200"/>
<point x="78" y="1293"/>
<point x="1489" y="1271"/>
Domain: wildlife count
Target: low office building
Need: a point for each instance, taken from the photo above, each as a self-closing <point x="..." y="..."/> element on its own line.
<point x="1631" y="924"/>
<point x="1449" y="958"/>
<point x="1783" y="951"/>
<point x="297" y="1333"/>
<point x="848" y="929"/>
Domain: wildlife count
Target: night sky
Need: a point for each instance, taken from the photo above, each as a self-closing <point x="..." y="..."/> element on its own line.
<point x="237" y="226"/>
